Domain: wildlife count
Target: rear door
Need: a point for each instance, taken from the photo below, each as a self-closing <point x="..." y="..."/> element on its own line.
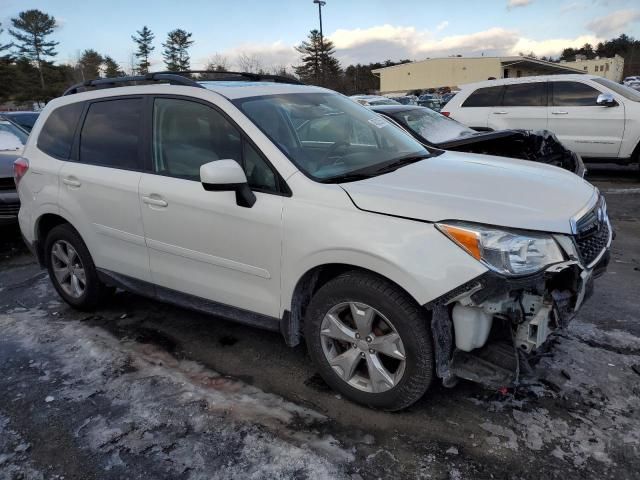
<point x="581" y="124"/>
<point x="99" y="187"/>
<point x="475" y="109"/>
<point x="524" y="105"/>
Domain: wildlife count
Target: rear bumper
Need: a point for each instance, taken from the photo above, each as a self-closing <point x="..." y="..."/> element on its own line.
<point x="9" y="207"/>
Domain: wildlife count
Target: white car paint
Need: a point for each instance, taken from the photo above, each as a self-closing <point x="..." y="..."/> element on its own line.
<point x="173" y="233"/>
<point x="597" y="132"/>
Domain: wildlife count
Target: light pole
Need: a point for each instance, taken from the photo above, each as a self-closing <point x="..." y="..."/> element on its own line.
<point x="321" y="3"/>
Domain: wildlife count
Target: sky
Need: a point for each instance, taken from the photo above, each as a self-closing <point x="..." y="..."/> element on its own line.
<point x="363" y="31"/>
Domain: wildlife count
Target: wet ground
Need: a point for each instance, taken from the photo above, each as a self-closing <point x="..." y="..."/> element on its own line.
<point x="145" y="390"/>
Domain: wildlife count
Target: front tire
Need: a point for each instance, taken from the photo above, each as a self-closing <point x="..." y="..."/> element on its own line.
<point x="71" y="269"/>
<point x="370" y="341"/>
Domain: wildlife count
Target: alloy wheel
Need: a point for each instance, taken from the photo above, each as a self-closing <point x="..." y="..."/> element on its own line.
<point x="363" y="347"/>
<point x="68" y="269"/>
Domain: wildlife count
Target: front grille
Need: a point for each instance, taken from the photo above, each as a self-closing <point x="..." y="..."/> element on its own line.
<point x="592" y="233"/>
<point x="9" y="208"/>
<point x="7" y="183"/>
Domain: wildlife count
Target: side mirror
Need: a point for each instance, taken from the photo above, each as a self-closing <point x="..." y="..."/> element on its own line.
<point x="606" y="100"/>
<point x="227" y="176"/>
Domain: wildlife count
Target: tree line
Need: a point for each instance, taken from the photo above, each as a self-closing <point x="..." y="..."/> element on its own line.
<point x="28" y="72"/>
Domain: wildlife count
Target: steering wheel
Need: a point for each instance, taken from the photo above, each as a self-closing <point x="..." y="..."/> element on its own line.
<point x="332" y="149"/>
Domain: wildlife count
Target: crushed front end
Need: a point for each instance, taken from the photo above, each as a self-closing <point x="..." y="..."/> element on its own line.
<point x="486" y="329"/>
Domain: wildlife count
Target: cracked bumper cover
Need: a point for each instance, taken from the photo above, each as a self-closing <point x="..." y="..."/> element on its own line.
<point x="530" y="307"/>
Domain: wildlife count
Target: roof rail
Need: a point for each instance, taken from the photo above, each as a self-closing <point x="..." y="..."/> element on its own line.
<point x="239" y="76"/>
<point x="170" y="77"/>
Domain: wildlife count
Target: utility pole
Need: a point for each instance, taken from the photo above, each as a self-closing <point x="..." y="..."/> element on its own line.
<point x="321" y="3"/>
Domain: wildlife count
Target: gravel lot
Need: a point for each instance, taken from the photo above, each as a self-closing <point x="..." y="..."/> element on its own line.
<point x="145" y="390"/>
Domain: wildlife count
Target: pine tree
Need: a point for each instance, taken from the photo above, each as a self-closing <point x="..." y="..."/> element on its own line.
<point x="175" y="53"/>
<point x="111" y="68"/>
<point x="143" y="40"/>
<point x="89" y="63"/>
<point x="31" y="29"/>
<point x="319" y="65"/>
<point x="6" y="45"/>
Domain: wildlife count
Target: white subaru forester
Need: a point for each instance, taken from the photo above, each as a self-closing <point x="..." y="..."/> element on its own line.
<point x="292" y="208"/>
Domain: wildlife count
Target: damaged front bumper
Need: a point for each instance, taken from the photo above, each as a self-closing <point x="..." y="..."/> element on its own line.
<point x="484" y="329"/>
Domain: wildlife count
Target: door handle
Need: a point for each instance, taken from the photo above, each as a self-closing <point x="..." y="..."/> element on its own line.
<point x="156" y="202"/>
<point x="559" y="112"/>
<point x="500" y="112"/>
<point x="71" y="181"/>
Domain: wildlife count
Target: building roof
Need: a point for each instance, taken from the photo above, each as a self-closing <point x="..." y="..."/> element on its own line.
<point x="527" y="62"/>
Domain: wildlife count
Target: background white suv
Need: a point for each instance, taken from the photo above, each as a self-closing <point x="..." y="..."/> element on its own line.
<point x="592" y="116"/>
<point x="396" y="263"/>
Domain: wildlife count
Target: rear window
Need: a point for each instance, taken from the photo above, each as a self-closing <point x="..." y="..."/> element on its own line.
<point x="56" y="136"/>
<point x="484" y="97"/>
<point x="525" y="95"/>
<point x="573" y="94"/>
<point x="111" y="134"/>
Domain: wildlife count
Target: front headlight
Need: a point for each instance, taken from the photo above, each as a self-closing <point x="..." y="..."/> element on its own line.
<point x="509" y="252"/>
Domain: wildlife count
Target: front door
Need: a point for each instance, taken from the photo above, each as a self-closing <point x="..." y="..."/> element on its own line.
<point x="581" y="124"/>
<point x="201" y="242"/>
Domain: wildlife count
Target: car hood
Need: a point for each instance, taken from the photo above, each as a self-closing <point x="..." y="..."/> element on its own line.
<point x="477" y="188"/>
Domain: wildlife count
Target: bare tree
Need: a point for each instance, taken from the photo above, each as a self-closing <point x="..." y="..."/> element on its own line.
<point x="249" y="62"/>
<point x="218" y="63"/>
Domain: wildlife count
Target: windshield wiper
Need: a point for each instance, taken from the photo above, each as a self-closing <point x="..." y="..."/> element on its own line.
<point x="348" y="177"/>
<point x="400" y="162"/>
<point x="375" y="170"/>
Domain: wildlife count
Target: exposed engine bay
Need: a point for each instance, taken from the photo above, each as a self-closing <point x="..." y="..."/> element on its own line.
<point x="487" y="330"/>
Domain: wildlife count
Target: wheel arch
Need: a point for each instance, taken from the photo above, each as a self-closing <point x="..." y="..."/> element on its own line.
<point x="43" y="225"/>
<point x="309" y="283"/>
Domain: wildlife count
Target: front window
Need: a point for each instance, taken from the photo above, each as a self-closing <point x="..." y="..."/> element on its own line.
<point x="627" y="92"/>
<point x="432" y="126"/>
<point x="327" y="135"/>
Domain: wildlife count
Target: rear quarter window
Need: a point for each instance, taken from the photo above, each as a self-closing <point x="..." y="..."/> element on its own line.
<point x="484" y="97"/>
<point x="56" y="136"/>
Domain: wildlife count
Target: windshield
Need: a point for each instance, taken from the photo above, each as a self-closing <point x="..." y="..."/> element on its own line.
<point x="11" y="137"/>
<point x="626" y="92"/>
<point x="431" y="126"/>
<point x="326" y="135"/>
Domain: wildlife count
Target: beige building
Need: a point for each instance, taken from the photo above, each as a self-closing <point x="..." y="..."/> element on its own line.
<point x="455" y="71"/>
<point x="611" y="68"/>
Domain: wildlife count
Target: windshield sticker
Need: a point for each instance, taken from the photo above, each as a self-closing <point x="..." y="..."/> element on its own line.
<point x="378" y="122"/>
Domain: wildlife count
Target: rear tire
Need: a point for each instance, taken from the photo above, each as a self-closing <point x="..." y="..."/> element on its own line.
<point x="71" y="269"/>
<point x="389" y="368"/>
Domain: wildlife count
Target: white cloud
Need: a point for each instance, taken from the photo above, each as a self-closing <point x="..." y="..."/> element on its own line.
<point x="266" y="56"/>
<point x="552" y="46"/>
<point x="442" y="25"/>
<point x="614" y="23"/>
<point x="518" y="3"/>
<point x="395" y="42"/>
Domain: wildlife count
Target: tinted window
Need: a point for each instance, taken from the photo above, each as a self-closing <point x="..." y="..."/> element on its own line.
<point x="111" y="134"/>
<point x="187" y="135"/>
<point x="484" y="97"/>
<point x="525" y="95"/>
<point x="56" y="136"/>
<point x="573" y="94"/>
